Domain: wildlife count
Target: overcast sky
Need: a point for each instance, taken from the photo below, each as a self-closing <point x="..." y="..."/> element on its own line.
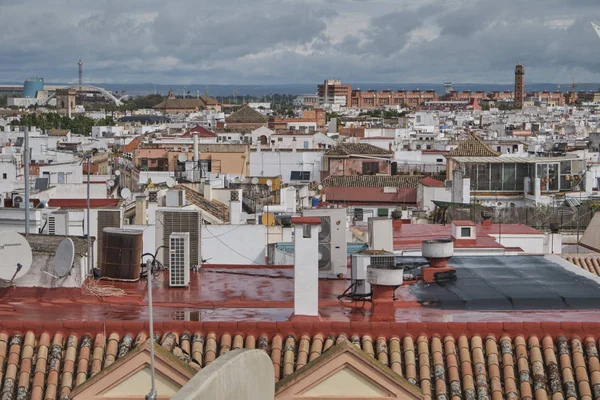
<point x="289" y="41"/>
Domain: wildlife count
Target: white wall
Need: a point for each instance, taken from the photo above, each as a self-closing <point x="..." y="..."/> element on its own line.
<point x="77" y="191"/>
<point x="13" y="219"/>
<point x="433" y="193"/>
<point x="7" y="184"/>
<point x="263" y="163"/>
<point x="72" y="173"/>
<point x="531" y="244"/>
<point x="234" y="244"/>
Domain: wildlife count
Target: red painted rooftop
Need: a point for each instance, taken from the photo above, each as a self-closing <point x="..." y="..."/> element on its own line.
<point x="72" y="203"/>
<point x="234" y="294"/>
<point x="370" y="195"/>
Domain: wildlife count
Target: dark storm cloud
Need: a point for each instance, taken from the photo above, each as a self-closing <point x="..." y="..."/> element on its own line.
<point x="277" y="41"/>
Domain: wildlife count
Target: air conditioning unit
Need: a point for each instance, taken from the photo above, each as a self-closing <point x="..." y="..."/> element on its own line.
<point x="174" y="220"/>
<point x="105" y="219"/>
<point x="175" y="198"/>
<point x="332" y="240"/>
<point x="58" y="223"/>
<point x="17" y="200"/>
<point x="179" y="259"/>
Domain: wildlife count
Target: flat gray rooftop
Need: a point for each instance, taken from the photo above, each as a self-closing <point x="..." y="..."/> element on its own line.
<point x="511" y="283"/>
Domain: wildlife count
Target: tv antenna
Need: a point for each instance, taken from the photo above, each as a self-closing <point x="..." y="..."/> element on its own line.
<point x="15" y="256"/>
<point x="63" y="260"/>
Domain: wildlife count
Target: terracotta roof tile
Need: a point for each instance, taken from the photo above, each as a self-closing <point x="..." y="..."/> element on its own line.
<point x="452" y="367"/>
<point x="246" y="114"/>
<point x="347" y="149"/>
<point x="473" y="146"/>
<point x="373" y="181"/>
<point x="590" y="263"/>
<point x="430" y="182"/>
<point x="213" y="207"/>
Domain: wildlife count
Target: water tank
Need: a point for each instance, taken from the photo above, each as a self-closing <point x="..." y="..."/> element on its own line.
<point x="121" y="254"/>
<point x="32" y="86"/>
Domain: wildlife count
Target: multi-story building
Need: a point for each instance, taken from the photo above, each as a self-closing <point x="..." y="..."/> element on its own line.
<point x="389" y="98"/>
<point x="333" y="93"/>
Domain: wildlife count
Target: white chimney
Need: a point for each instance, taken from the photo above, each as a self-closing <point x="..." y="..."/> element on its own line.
<point x="306" y="266"/>
<point x="381" y="234"/>
<point x="196" y="154"/>
<point x="208" y="191"/>
<point x="235" y="212"/>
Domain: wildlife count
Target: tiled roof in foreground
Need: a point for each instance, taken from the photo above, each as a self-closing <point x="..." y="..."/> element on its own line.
<point x="445" y="366"/>
<point x="590" y="263"/>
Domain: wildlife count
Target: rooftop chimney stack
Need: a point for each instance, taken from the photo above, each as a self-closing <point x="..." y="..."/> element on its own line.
<point x="196" y="153"/>
<point x="306" y="268"/>
<point x="437" y="252"/>
<point x="140" y="210"/>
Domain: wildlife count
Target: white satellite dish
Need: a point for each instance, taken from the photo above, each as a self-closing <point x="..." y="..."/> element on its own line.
<point x="63" y="260"/>
<point x="117" y="172"/>
<point x="182" y="157"/>
<point x="237" y="180"/>
<point x="110" y="183"/>
<point x="44" y="197"/>
<point x="269" y="183"/>
<point x="320" y="187"/>
<point x="185" y="149"/>
<point x="254" y="181"/>
<point x="170" y="182"/>
<point x="125" y="193"/>
<point x="14" y="252"/>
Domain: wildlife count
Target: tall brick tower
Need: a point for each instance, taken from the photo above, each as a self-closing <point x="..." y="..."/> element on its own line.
<point x="519" y="85"/>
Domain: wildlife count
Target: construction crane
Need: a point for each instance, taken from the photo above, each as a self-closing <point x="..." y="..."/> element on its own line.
<point x="596" y="28"/>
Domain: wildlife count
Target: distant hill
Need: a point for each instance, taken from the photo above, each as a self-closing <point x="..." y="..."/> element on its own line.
<point x="307" y="88"/>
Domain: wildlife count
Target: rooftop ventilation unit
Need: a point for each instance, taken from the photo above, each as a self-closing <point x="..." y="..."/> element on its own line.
<point x="179" y="259"/>
<point x="17" y="200"/>
<point x="106" y="219"/>
<point x="175" y="198"/>
<point x="170" y="221"/>
<point x="58" y="223"/>
<point x="332" y="240"/>
<point x="360" y="266"/>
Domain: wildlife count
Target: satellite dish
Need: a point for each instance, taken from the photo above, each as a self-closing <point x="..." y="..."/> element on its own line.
<point x="268" y="219"/>
<point x="237" y="180"/>
<point x="170" y="182"/>
<point x="110" y="183"/>
<point x="117" y="172"/>
<point x="269" y="183"/>
<point x="44" y="197"/>
<point x="182" y="157"/>
<point x="255" y="181"/>
<point x="125" y="193"/>
<point x="320" y="187"/>
<point x="63" y="260"/>
<point x="185" y="149"/>
<point x="14" y="251"/>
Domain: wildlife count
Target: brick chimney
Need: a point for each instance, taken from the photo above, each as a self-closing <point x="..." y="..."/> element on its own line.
<point x="306" y="268"/>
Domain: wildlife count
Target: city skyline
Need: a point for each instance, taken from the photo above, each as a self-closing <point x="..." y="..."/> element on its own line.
<point x="269" y="42"/>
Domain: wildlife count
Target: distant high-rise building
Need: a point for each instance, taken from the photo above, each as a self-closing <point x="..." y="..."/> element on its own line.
<point x="519" y="85"/>
<point x="333" y="92"/>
